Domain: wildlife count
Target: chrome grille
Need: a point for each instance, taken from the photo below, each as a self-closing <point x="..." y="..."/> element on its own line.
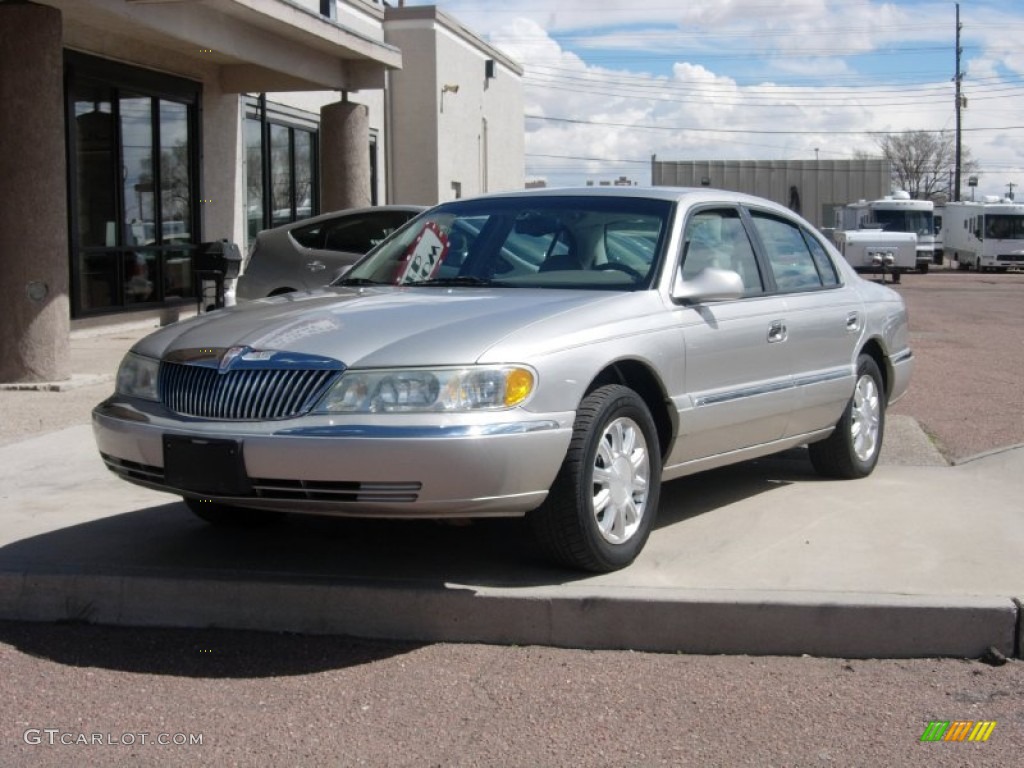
<point x="241" y="395"/>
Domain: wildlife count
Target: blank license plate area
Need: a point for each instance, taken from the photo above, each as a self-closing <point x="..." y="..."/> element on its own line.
<point x="205" y="466"/>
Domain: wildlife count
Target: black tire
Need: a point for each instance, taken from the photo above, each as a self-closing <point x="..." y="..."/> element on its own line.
<point x="923" y="267"/>
<point x="852" y="450"/>
<point x="218" y="514"/>
<point x="613" y="430"/>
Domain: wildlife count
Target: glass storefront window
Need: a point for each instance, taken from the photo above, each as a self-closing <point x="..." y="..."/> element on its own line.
<point x="253" y="177"/>
<point x="95" y="160"/>
<point x="133" y="160"/>
<point x="282" y="178"/>
<point x="137" y="171"/>
<point x="175" y="177"/>
<point x="303" y="173"/>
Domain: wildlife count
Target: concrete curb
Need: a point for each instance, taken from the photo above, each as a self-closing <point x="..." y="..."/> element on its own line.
<point x="986" y="454"/>
<point x="839" y="625"/>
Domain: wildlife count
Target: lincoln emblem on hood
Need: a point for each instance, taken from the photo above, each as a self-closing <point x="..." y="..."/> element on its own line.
<point x="230" y="356"/>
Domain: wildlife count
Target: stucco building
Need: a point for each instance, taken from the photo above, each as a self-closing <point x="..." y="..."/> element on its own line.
<point x="137" y="129"/>
<point x="812" y="188"/>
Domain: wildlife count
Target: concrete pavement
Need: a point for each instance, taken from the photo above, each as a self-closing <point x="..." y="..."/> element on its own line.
<point x="919" y="559"/>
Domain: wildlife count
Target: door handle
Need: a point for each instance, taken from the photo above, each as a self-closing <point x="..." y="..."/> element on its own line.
<point x="777" y="332"/>
<point x="853" y="322"/>
<point x="315" y="266"/>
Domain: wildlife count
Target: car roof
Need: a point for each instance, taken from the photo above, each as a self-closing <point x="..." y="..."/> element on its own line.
<point x="331" y="215"/>
<point x="688" y="195"/>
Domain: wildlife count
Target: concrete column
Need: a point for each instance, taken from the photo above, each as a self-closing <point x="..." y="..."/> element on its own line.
<point x="344" y="156"/>
<point x="34" y="310"/>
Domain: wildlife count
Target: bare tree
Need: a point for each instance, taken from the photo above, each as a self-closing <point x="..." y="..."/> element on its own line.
<point x="923" y="161"/>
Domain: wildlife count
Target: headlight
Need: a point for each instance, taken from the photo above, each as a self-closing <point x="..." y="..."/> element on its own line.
<point x="137" y="376"/>
<point x="448" y="389"/>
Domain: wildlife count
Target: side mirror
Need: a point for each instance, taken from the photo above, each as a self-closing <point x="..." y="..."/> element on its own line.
<point x="708" y="285"/>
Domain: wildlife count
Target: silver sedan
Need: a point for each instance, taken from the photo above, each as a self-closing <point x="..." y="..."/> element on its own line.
<point x="556" y="354"/>
<point x="310" y="253"/>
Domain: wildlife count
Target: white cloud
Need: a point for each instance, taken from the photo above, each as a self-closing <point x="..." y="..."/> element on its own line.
<point x="685" y="80"/>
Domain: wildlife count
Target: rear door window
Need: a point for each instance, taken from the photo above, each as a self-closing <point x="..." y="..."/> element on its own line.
<point x="358" y="234"/>
<point x="789" y="254"/>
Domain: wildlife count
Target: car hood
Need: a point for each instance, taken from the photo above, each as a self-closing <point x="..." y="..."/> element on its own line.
<point x="406" y="326"/>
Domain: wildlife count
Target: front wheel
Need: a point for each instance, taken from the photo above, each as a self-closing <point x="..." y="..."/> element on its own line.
<point x="600" y="509"/>
<point x="851" y="451"/>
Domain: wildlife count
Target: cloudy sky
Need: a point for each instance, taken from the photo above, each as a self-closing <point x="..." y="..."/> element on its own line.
<point x="608" y="83"/>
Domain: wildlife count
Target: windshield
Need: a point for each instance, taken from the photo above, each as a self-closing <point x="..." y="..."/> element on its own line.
<point x="535" y="241"/>
<point x="919" y="222"/>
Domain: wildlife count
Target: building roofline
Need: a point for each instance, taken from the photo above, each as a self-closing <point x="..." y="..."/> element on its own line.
<point x="433" y="14"/>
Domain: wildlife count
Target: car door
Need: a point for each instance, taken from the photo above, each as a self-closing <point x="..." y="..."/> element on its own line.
<point x="823" y="320"/>
<point x="737" y="384"/>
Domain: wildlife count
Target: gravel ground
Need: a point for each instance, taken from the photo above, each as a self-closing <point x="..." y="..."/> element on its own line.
<point x="967" y="333"/>
<point x="275" y="700"/>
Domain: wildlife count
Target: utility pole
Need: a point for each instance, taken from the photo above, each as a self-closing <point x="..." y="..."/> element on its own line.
<point x="959" y="106"/>
<point x="1010" y="186"/>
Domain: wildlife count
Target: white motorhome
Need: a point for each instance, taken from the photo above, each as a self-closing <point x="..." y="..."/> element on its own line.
<point x="985" y="235"/>
<point x="894" y="213"/>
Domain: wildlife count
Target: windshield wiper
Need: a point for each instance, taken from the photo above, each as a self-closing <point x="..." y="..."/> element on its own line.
<point x="459" y="280"/>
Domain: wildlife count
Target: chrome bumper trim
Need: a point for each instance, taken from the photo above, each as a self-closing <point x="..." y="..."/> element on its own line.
<point x="461" y="430"/>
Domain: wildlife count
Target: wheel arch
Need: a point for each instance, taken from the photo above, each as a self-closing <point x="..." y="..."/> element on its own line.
<point x="873" y="349"/>
<point x="641" y="378"/>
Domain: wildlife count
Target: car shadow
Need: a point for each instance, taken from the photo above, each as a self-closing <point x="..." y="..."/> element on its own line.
<point x="703" y="493"/>
<point x="195" y="653"/>
<point x="168" y="542"/>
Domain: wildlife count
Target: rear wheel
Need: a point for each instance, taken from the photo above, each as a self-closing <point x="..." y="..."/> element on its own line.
<point x="602" y="505"/>
<point x="219" y="514"/>
<point x="851" y="451"/>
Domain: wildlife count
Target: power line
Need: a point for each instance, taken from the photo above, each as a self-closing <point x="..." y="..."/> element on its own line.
<point x="576" y="75"/>
<point x="759" y="131"/>
<point x="768" y="100"/>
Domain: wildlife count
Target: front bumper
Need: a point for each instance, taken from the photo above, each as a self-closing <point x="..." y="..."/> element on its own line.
<point x="496" y="464"/>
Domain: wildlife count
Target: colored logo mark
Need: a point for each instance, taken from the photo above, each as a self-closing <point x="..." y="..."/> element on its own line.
<point x="958" y="730"/>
